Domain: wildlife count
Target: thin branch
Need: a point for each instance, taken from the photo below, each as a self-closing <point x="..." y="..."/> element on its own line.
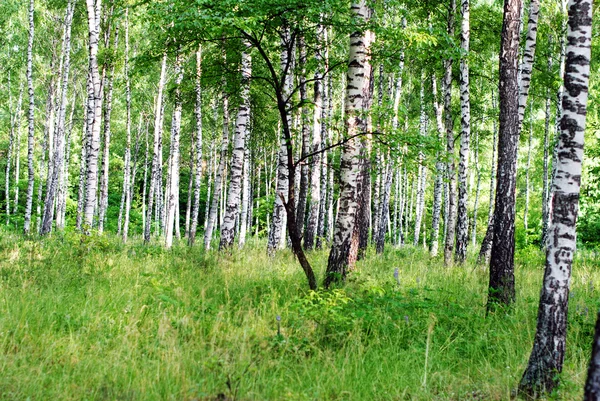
<point x="334" y="145"/>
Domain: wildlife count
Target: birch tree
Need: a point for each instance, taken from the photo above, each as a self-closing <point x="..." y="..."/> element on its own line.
<point x="449" y="127"/>
<point x="30" y="121"/>
<point x="278" y="221"/>
<point x="198" y="150"/>
<point x="172" y="197"/>
<point x="356" y="90"/>
<point x="108" y="85"/>
<point x="56" y="170"/>
<point x="94" y="112"/>
<point x="156" y="148"/>
<point x="439" y="177"/>
<point x="315" y="176"/>
<point x="234" y="196"/>
<point x="219" y="177"/>
<point x="462" y="225"/>
<point x="548" y="351"/>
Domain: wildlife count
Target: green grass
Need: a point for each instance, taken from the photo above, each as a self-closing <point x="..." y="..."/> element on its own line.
<point x="93" y="319"/>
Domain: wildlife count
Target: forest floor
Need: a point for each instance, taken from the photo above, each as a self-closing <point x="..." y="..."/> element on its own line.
<point x="93" y="319"/>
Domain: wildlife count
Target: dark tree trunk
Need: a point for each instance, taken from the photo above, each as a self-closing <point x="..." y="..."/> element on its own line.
<point x="592" y="384"/>
<point x="502" y="277"/>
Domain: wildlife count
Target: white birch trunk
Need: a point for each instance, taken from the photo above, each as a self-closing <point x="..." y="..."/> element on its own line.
<point x="154" y="188"/>
<point x="548" y="351"/>
<point x="127" y="176"/>
<point x="477" y="190"/>
<point x="56" y="172"/>
<point x="94" y="113"/>
<point x="527" y="166"/>
<point x="421" y="180"/>
<point x="17" y="134"/>
<point x="198" y="151"/>
<point x="109" y="83"/>
<point x="462" y="224"/>
<point x="172" y="197"/>
<point x="277" y="238"/>
<point x="234" y="196"/>
<point x="315" y="176"/>
<point x="220" y="175"/>
<point x="439" y="175"/>
<point x="357" y="90"/>
<point x="246" y="210"/>
<point x="451" y="167"/>
<point x="30" y="121"/>
<point x="528" y="58"/>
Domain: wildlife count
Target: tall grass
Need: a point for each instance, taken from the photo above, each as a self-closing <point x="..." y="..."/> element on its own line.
<point x="93" y="319"/>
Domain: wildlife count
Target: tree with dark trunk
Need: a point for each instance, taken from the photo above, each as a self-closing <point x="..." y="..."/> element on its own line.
<point x="502" y="276"/>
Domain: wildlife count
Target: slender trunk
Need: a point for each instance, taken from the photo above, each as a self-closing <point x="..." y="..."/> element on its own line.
<point x="30" y="121"/>
<point x="439" y="175"/>
<point x="549" y="345"/>
<point x="315" y="176"/>
<point x="477" y="191"/>
<point x="246" y="211"/>
<point x="420" y="202"/>
<point x="385" y="210"/>
<point x="54" y="179"/>
<point x="526" y="67"/>
<point x="145" y="183"/>
<point x="63" y="187"/>
<point x="103" y="204"/>
<point x="527" y="166"/>
<point x="198" y="152"/>
<point x="172" y="197"/>
<point x="94" y="113"/>
<point x="10" y="153"/>
<point x="545" y="183"/>
<point x="279" y="219"/>
<point x="304" y="168"/>
<point x="17" y="134"/>
<point x="188" y="204"/>
<point x="326" y="138"/>
<point x="220" y="176"/>
<point x="154" y="188"/>
<point x="486" y="244"/>
<point x="357" y="90"/>
<point x="462" y="224"/>
<point x="449" y="126"/>
<point x="82" y="169"/>
<point x="502" y="279"/>
<point x="234" y="195"/>
<point x="127" y="176"/>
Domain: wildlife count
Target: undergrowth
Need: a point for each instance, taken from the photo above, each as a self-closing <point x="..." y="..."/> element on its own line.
<point x="90" y="318"/>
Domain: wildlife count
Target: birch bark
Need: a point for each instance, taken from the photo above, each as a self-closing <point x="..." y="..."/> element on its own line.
<point x="154" y="173"/>
<point x="357" y="89"/>
<point x="549" y="345"/>
<point x="462" y="225"/>
<point x="56" y="172"/>
<point x="94" y="112"/>
<point x="198" y="153"/>
<point x="449" y="126"/>
<point x="172" y="197"/>
<point x="30" y="121"/>
<point x="234" y="195"/>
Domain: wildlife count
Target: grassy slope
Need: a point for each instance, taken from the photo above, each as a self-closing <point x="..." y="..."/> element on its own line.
<point x="99" y="320"/>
